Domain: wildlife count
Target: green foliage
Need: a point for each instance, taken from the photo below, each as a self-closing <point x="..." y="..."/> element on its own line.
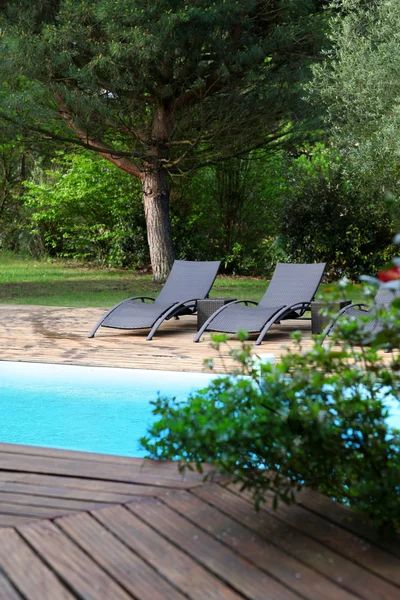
<point x="331" y="217"/>
<point x="356" y="82"/>
<point x="86" y="210"/>
<point x="12" y="170"/>
<point x="358" y="86"/>
<point x="16" y="160"/>
<point x="317" y="419"/>
<point x="229" y="213"/>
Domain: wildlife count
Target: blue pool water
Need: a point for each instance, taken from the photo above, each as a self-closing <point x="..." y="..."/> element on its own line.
<point x="393" y="420"/>
<point x="93" y="409"/>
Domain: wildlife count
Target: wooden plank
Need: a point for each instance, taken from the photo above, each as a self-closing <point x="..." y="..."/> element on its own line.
<point x="73" y="454"/>
<point x="72" y="565"/>
<point x="181" y="570"/>
<point x="347" y="518"/>
<point x="316" y="555"/>
<point x="165" y="470"/>
<point x="355" y="548"/>
<point x="46" y="501"/>
<point x="13" y="520"/>
<point x="286" y="569"/>
<point x="352" y="546"/>
<point x="114" y="488"/>
<point x="9" y="476"/>
<point x="95" y="470"/>
<point x="7" y="591"/>
<point x="168" y="468"/>
<point x="236" y="571"/>
<point x="27" y="572"/>
<point x="27" y="510"/>
<point x="64" y="495"/>
<point x="127" y="568"/>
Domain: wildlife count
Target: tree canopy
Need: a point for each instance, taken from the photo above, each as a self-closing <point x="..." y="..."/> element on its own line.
<point x="160" y="87"/>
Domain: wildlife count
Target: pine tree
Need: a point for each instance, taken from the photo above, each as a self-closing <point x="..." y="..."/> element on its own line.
<point x="158" y="87"/>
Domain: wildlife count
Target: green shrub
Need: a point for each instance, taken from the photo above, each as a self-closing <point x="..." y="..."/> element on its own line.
<point x="84" y="209"/>
<point x="327" y="219"/>
<point x="318" y="419"/>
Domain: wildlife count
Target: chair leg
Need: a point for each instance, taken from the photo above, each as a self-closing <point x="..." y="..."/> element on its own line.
<point x="202" y="330"/>
<point x="212" y="317"/>
<point x="95" y="328"/>
<point x="328" y="329"/>
<point x="161" y="320"/>
<point x="276" y="318"/>
<point x="264" y="330"/>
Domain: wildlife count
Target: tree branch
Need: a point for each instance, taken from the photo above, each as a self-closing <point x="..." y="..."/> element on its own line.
<point x="127" y="93"/>
<point x="119" y="127"/>
<point x="171" y="165"/>
<point x="97" y="146"/>
<point x="195" y="94"/>
<point x="62" y="138"/>
<point x="211" y="162"/>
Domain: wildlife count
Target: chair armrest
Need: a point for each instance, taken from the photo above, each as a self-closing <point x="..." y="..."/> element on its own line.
<point x="142" y="298"/>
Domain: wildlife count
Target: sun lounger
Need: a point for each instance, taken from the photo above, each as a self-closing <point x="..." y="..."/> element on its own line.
<point x="187" y="282"/>
<point x="288" y="296"/>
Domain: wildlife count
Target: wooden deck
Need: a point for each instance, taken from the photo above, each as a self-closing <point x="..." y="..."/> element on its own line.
<point x="59" y="335"/>
<point x="95" y="527"/>
<point x="82" y="526"/>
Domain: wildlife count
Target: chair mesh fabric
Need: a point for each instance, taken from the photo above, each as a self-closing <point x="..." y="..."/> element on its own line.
<point x="236" y="317"/>
<point x="385" y="296"/>
<point x="290" y="284"/>
<point x="135" y="313"/>
<point x="187" y="280"/>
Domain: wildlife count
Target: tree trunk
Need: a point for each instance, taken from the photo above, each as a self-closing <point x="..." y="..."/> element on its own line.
<point x="159" y="234"/>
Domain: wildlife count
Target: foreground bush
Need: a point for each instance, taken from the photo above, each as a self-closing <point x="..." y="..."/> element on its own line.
<point x="316" y="419"/>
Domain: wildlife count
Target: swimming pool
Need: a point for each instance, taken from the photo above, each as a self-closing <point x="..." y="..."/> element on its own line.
<point x="94" y="409"/>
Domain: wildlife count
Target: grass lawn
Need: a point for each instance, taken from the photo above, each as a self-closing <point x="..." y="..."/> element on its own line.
<point x="28" y="281"/>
